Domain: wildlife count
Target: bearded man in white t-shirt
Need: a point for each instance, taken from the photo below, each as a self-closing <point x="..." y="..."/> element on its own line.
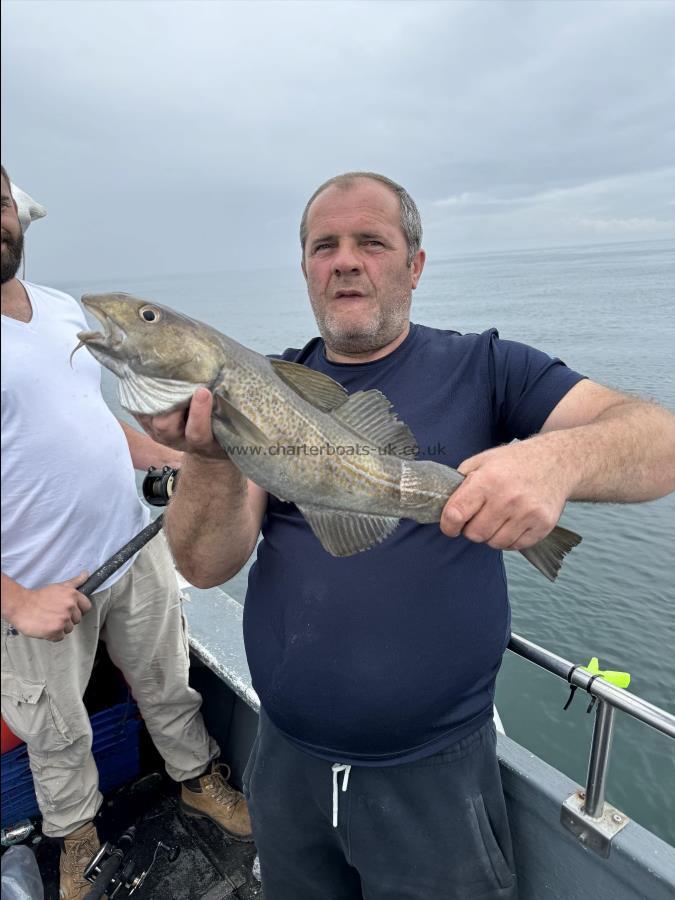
<point x="60" y="442"/>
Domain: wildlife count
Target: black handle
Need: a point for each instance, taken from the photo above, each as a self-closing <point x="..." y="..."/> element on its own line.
<point x="116" y="560"/>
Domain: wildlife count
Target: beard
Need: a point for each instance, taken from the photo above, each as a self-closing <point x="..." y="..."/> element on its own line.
<point x="12" y="253"/>
<point x="351" y="338"/>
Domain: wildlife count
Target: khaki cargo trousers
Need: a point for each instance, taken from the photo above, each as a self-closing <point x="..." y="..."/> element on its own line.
<point x="141" y="621"/>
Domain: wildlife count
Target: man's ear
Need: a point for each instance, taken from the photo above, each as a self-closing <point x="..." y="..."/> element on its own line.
<point x="416" y="267"/>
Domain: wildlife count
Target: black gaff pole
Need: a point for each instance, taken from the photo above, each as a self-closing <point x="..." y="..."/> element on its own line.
<point x="117" y="560"/>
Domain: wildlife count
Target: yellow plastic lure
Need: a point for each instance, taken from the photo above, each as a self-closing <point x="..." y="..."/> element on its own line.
<point x="618" y="679"/>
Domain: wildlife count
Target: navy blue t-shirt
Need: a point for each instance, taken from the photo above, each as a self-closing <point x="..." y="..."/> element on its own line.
<point x="392" y="654"/>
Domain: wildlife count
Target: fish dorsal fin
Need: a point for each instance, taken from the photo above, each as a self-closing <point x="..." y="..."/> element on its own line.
<point x="346" y="533"/>
<point x="236" y="422"/>
<point x="316" y="388"/>
<point x="370" y="415"/>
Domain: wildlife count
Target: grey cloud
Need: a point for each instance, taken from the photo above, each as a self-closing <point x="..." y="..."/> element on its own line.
<point x="172" y="136"/>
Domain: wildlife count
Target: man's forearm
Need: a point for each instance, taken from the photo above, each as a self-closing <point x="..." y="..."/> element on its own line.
<point x="626" y="454"/>
<point x="596" y="445"/>
<point x="146" y="452"/>
<point x="12" y="596"/>
<point x="208" y="523"/>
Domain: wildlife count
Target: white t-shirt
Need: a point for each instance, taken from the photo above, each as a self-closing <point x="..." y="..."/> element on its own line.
<point x="69" y="496"/>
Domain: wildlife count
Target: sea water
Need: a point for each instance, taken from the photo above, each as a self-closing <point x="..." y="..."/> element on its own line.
<point x="609" y="312"/>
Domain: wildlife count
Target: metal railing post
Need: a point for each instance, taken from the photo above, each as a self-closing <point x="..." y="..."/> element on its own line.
<point x="598" y="763"/>
<point x="586" y="813"/>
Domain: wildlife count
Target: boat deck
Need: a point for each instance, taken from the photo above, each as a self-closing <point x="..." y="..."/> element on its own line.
<point x="209" y="865"/>
<point x="550" y="862"/>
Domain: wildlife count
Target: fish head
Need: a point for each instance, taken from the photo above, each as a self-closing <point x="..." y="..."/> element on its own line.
<point x="159" y="355"/>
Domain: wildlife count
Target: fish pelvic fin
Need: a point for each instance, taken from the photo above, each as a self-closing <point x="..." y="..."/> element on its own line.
<point x="343" y="533"/>
<point x="370" y="415"/>
<point x="236" y="423"/>
<point x="547" y="555"/>
<point x="316" y="388"/>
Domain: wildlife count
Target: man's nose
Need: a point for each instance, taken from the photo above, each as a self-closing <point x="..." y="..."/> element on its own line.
<point x="346" y="261"/>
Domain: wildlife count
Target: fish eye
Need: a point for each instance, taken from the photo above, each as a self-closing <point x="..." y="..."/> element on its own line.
<point x="149" y="313"/>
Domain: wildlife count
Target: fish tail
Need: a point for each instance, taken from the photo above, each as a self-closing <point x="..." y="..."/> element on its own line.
<point x="547" y="555"/>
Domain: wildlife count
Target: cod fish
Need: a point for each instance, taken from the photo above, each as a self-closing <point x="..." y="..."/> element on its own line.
<point x="344" y="460"/>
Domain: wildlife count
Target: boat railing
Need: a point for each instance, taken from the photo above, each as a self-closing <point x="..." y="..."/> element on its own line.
<point x="585" y="813"/>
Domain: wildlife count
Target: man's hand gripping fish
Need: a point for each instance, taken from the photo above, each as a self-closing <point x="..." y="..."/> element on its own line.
<point x="345" y="461"/>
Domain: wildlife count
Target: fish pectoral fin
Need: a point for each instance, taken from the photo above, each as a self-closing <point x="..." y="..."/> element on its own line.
<point x="547" y="555"/>
<point x="316" y="388"/>
<point x="345" y="533"/>
<point x="236" y="422"/>
<point x="370" y="415"/>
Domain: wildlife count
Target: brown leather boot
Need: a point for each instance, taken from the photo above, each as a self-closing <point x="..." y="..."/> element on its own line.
<point x="219" y="802"/>
<point x="78" y="848"/>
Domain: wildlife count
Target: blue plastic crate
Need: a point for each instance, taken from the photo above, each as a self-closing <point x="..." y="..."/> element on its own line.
<point x="116" y="750"/>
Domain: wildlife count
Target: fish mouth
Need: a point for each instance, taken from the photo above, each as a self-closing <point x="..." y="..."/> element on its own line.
<point x="110" y="340"/>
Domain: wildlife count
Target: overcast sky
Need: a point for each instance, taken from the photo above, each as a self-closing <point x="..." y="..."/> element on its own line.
<point x="182" y="136"/>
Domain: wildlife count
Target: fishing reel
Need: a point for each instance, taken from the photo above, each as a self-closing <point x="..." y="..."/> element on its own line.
<point x="159" y="484"/>
<point x="109" y="871"/>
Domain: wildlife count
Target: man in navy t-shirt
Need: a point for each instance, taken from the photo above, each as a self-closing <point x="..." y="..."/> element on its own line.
<point x="374" y="772"/>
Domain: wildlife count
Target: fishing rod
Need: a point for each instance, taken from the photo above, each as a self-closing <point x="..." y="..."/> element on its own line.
<point x="158" y="486"/>
<point x="116" y="561"/>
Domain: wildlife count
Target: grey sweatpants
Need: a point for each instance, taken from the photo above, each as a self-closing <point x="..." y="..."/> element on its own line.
<point x="141" y="621"/>
<point x="435" y="829"/>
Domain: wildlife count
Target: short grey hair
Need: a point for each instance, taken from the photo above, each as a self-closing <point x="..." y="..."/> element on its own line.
<point x="411" y="222"/>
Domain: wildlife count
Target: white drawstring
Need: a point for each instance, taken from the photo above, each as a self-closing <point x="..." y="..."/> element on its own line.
<point x="337" y="768"/>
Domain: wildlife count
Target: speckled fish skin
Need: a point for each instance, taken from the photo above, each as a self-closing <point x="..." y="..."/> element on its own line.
<point x="345" y="461"/>
<point x="190" y="353"/>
